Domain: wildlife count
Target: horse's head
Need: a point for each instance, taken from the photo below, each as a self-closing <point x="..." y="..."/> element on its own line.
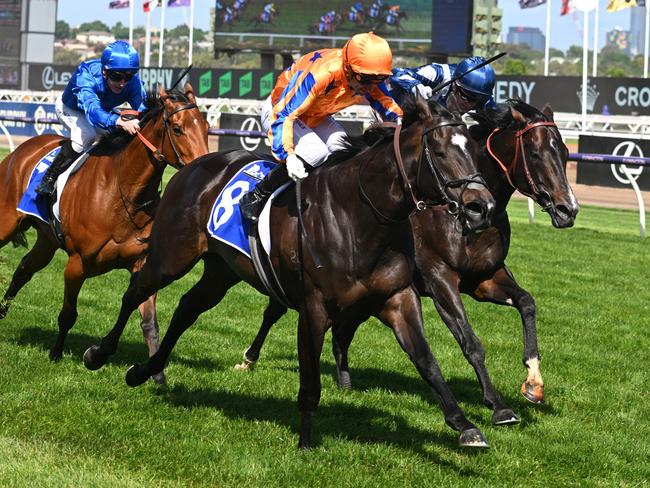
<point x="446" y="172"/>
<point x="175" y="121"/>
<point x="528" y="147"/>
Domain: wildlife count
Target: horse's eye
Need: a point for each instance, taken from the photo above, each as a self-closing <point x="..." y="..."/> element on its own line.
<point x="440" y="154"/>
<point x="177" y="130"/>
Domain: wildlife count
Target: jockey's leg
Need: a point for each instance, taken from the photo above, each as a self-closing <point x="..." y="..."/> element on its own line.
<point x="61" y="162"/>
<point x="309" y="146"/>
<point x="82" y="135"/>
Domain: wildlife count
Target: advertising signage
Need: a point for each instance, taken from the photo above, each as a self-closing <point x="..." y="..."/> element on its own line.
<point x="609" y="96"/>
<point x="309" y="25"/>
<point x="208" y="83"/>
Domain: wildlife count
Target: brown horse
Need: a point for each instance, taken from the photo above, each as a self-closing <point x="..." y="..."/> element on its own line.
<point x="107" y="206"/>
<point x="356" y="210"/>
<point x="523" y="150"/>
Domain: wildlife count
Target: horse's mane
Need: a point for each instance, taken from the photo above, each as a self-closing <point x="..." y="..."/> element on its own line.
<point x="112" y="143"/>
<point x="500" y="116"/>
<point x="376" y="134"/>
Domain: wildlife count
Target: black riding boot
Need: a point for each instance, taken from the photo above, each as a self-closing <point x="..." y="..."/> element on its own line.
<point x="65" y="158"/>
<point x="251" y="203"/>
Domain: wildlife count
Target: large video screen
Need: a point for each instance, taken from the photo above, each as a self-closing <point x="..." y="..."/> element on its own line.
<point x="314" y="24"/>
<point x="9" y="43"/>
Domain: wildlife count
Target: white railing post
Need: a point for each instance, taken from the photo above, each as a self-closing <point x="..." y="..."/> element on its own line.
<point x="639" y="199"/>
<point x="6" y="132"/>
<point x="531" y="211"/>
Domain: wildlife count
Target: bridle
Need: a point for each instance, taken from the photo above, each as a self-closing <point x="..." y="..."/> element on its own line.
<point x="157" y="153"/>
<point x="510" y="170"/>
<point x="442" y="183"/>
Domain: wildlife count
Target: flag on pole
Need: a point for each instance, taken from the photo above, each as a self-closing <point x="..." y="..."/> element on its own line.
<point x="149" y="6"/>
<point x="531" y="3"/>
<point x="566" y="7"/>
<point x="178" y="3"/>
<point x="615" y="5"/>
<point x="119" y="4"/>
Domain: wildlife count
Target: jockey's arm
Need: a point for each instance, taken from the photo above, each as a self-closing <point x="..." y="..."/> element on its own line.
<point x="90" y="103"/>
<point x="311" y="85"/>
<point x="380" y="100"/>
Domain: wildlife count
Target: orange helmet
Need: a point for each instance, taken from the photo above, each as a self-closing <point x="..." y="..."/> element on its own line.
<point x="368" y="54"/>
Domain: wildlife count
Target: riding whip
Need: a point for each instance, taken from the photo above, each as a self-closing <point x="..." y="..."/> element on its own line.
<point x="185" y="71"/>
<point x="478" y="66"/>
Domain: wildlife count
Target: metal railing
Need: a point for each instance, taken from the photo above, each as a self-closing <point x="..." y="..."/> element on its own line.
<point x="622" y="161"/>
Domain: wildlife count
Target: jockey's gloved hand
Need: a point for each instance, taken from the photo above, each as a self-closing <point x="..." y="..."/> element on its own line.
<point x="129" y="126"/>
<point x="398" y="120"/>
<point x="295" y="168"/>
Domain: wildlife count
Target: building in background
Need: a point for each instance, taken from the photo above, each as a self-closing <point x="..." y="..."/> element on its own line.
<point x="620" y="39"/>
<point x="637" y="31"/>
<point x="530" y="36"/>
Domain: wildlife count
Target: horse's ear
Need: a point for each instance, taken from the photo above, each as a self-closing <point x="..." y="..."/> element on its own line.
<point x="517" y="115"/>
<point x="422" y="107"/>
<point x="162" y="93"/>
<point x="548" y="113"/>
<point x="189" y="93"/>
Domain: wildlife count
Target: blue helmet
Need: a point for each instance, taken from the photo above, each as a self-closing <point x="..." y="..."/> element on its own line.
<point x="480" y="81"/>
<point x="120" y="56"/>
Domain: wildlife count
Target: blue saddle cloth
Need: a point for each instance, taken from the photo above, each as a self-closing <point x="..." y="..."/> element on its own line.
<point x="31" y="202"/>
<point x="226" y="223"/>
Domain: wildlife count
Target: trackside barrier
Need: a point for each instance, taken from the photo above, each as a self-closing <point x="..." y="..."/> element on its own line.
<point x="579" y="157"/>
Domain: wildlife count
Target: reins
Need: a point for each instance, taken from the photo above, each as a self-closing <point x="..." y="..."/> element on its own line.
<point x="519" y="149"/>
<point x="442" y="185"/>
<point x="158" y="156"/>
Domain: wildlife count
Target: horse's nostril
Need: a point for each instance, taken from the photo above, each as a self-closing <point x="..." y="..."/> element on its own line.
<point x="475" y="209"/>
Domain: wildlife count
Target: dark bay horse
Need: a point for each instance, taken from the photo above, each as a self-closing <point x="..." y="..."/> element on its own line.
<point x="107" y="206"/>
<point x="523" y="150"/>
<point x="356" y="210"/>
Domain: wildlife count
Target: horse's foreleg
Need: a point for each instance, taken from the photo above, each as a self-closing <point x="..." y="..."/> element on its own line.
<point x="74" y="280"/>
<point x="142" y="285"/>
<point x="342" y="335"/>
<point x="35" y="260"/>
<point x="312" y="325"/>
<point x="403" y="314"/>
<point x="216" y="280"/>
<point x="444" y="289"/>
<point x="503" y="289"/>
<point x="272" y="314"/>
<point x="150" y="331"/>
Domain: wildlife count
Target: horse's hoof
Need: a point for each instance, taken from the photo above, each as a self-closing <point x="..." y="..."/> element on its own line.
<point x="56" y="356"/>
<point x="472" y="438"/>
<point x="3" y="312"/>
<point x="344" y="381"/>
<point x="533" y="393"/>
<point x="245" y="365"/>
<point x="159" y="379"/>
<point x="94" y="358"/>
<point x="135" y="376"/>
<point x="504" y="417"/>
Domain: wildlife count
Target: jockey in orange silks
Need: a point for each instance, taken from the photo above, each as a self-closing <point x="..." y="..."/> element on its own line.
<point x="298" y="114"/>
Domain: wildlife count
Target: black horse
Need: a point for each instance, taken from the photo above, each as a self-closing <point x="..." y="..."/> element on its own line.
<point x="356" y="210"/>
<point x="523" y="150"/>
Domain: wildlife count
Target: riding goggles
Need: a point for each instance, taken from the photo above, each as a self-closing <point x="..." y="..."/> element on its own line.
<point x="469" y="96"/>
<point x="120" y="75"/>
<point x="368" y="79"/>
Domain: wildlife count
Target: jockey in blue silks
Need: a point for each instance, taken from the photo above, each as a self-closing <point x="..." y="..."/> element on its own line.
<point x="84" y="107"/>
<point x="469" y="92"/>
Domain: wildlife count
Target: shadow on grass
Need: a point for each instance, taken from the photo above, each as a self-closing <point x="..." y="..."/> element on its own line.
<point x="339" y="420"/>
<point x="127" y="353"/>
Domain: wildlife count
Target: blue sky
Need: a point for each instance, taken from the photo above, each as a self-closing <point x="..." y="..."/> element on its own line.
<point x="565" y="30"/>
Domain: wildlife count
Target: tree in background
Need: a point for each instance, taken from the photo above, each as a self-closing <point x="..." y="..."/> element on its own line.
<point x="62" y="30"/>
